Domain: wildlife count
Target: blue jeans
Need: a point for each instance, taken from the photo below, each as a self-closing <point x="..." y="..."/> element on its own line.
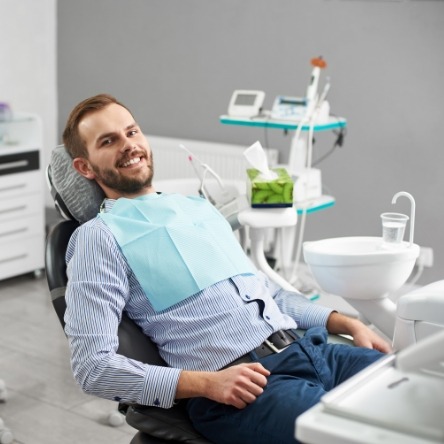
<point x="300" y="375"/>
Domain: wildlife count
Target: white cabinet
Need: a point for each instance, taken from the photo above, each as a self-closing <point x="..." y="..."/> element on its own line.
<point x="22" y="217"/>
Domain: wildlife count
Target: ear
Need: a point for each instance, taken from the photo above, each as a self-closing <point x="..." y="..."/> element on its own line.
<point x="82" y="166"/>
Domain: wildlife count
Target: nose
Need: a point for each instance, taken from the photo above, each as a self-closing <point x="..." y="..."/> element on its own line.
<point x="127" y="145"/>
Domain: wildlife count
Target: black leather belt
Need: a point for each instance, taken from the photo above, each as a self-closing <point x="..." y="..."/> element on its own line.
<point x="275" y="343"/>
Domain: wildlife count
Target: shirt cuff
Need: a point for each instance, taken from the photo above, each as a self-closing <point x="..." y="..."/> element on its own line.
<point x="160" y="386"/>
<point x="315" y="316"/>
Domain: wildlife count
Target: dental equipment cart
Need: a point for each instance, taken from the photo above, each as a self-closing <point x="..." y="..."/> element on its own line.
<point x="310" y="205"/>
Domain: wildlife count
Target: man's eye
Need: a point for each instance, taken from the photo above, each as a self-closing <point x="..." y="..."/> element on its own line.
<point x="106" y="142"/>
<point x="132" y="133"/>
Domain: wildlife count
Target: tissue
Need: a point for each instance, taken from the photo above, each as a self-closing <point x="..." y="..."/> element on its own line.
<point x="257" y="158"/>
<point x="267" y="188"/>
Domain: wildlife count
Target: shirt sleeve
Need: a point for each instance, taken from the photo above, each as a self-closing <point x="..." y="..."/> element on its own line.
<point x="301" y="309"/>
<point x="96" y="295"/>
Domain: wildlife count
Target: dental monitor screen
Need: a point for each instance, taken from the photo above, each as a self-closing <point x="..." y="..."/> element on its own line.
<point x="245" y="103"/>
<point x="245" y="99"/>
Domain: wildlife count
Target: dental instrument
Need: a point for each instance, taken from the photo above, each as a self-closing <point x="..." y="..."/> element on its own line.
<point x="318" y="63"/>
<point x="310" y="177"/>
<point x="226" y="198"/>
<point x="202" y="174"/>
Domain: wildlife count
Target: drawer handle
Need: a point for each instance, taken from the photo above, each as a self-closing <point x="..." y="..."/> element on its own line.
<point x="9" y="233"/>
<point x="10" y="210"/>
<point x="13" y="258"/>
<point x="16" y="164"/>
<point x="13" y="187"/>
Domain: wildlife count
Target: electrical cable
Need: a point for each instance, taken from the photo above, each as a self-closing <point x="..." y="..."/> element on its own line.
<point x="304" y="211"/>
<point x="266" y="137"/>
<point x="337" y="144"/>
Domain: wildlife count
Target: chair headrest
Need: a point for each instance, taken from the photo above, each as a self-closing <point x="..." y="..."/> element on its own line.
<point x="74" y="196"/>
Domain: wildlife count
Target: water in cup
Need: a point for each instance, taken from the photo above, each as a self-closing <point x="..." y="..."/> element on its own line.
<point x="393" y="227"/>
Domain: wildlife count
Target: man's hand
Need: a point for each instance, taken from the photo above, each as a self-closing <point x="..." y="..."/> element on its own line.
<point x="238" y="385"/>
<point x="365" y="337"/>
<point x="362" y="335"/>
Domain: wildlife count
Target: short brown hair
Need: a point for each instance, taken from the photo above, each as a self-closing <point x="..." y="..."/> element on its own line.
<point x="74" y="144"/>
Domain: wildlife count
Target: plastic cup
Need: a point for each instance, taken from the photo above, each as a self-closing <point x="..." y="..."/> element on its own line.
<point x="393" y="227"/>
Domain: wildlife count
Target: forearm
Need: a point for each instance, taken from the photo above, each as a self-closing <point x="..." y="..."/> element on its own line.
<point x="192" y="384"/>
<point x="338" y="323"/>
<point x="362" y="335"/>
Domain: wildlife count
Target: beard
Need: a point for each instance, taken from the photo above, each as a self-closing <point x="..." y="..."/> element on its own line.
<point x="125" y="185"/>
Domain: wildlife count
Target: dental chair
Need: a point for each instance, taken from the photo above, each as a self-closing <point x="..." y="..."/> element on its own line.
<point x="155" y="425"/>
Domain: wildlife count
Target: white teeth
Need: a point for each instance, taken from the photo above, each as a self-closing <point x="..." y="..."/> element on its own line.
<point x="132" y="161"/>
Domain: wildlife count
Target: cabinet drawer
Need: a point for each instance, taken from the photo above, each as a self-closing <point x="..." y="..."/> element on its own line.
<point x="20" y="184"/>
<point x="20" y="207"/>
<point x="20" y="228"/>
<point x="21" y="257"/>
<point x="19" y="162"/>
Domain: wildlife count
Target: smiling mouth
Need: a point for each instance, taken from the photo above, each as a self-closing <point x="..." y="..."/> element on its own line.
<point x="130" y="162"/>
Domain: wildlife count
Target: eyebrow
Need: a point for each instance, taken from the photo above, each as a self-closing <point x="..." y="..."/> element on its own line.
<point x="110" y="134"/>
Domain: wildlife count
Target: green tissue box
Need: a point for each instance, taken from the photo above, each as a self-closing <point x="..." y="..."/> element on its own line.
<point x="277" y="193"/>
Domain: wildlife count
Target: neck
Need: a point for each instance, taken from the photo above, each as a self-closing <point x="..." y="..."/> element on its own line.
<point x="114" y="194"/>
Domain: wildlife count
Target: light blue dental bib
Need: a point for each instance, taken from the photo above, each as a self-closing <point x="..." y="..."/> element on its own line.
<point x="175" y="245"/>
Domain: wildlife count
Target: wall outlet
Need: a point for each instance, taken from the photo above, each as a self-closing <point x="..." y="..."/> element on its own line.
<point x="425" y="257"/>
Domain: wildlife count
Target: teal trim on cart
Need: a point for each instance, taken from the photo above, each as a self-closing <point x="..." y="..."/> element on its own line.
<point x="268" y="123"/>
<point x="313" y="209"/>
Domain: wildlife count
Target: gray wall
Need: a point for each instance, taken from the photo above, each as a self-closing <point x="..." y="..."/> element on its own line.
<point x="176" y="63"/>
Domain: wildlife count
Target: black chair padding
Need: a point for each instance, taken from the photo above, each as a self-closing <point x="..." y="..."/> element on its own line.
<point x="55" y="265"/>
<point x="176" y="425"/>
<point x="142" y="438"/>
<point x="157" y="425"/>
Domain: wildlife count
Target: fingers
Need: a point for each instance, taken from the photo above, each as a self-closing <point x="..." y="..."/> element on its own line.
<point x="244" y="383"/>
<point x="259" y="368"/>
<point x="371" y="340"/>
<point x="383" y="347"/>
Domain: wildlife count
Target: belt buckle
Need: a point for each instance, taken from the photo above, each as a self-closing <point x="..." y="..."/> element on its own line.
<point x="272" y="347"/>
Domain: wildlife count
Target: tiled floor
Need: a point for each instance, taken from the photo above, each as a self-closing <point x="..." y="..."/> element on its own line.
<point x="44" y="405"/>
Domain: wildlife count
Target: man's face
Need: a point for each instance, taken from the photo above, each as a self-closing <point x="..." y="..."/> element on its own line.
<point x="119" y="157"/>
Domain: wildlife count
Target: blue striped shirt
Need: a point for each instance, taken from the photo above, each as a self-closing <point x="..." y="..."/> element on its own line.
<point x="204" y="332"/>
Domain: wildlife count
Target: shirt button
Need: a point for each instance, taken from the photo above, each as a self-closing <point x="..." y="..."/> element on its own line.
<point x="247" y="296"/>
<point x="267" y="318"/>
